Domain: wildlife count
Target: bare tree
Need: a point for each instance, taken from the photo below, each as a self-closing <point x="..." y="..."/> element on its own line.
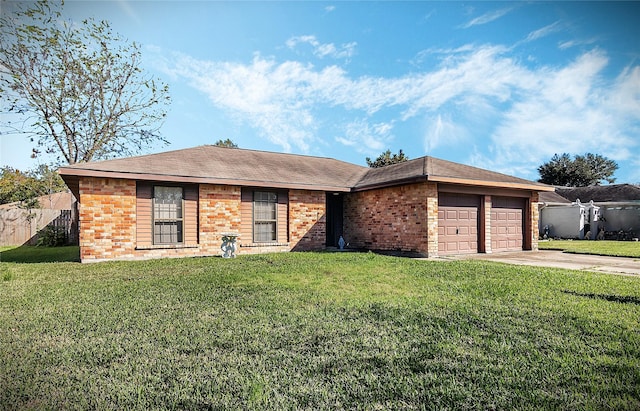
<point x="77" y="87"/>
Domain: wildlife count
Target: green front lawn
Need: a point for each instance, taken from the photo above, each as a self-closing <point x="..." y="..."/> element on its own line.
<point x="316" y="331"/>
<point x="613" y="248"/>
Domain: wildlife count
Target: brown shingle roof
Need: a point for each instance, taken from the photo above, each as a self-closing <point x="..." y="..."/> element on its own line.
<point x="434" y="169"/>
<point x="218" y="165"/>
<point x="552" y="197"/>
<point x="608" y="193"/>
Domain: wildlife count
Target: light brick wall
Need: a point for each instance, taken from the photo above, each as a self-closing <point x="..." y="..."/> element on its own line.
<point x="431" y="190"/>
<point x="307" y="220"/>
<point x="395" y="218"/>
<point x="487" y="223"/>
<point x="107" y="213"/>
<point x="535" y="216"/>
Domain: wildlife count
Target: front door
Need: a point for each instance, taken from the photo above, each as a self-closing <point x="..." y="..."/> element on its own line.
<point x="334" y="218"/>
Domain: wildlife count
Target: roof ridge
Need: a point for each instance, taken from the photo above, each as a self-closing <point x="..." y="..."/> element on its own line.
<point x="281" y="154"/>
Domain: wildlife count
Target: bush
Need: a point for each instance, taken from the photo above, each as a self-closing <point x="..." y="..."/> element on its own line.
<point x="52" y="236"/>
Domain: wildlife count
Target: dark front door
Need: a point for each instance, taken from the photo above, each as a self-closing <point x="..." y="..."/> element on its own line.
<point x="334" y="218"/>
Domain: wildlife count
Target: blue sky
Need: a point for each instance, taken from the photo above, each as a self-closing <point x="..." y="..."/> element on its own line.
<point x="498" y="85"/>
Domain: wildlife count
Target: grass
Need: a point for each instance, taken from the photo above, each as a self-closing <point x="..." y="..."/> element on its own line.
<point x="316" y="331"/>
<point x="29" y="254"/>
<point x="612" y="248"/>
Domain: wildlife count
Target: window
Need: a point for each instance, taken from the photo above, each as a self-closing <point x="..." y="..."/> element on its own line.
<point x="167" y="215"/>
<point x="264" y="216"/>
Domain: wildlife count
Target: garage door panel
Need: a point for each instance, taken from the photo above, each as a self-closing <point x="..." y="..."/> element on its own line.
<point x="457" y="224"/>
<point x="507" y="221"/>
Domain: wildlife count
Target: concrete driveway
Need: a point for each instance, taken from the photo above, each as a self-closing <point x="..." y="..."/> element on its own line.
<point x="549" y="258"/>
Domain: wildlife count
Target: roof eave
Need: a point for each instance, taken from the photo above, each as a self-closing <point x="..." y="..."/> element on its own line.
<point x="78" y="172"/>
<point x="484" y="183"/>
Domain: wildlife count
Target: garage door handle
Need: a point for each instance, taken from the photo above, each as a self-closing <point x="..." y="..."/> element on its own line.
<point x="457" y="231"/>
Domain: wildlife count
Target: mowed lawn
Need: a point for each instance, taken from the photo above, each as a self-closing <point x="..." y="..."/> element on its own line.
<point x="612" y="248"/>
<point x="315" y="331"/>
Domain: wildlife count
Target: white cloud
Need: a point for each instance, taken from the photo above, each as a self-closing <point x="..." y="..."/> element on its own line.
<point x="443" y="132"/>
<point x="487" y="17"/>
<point x="365" y="137"/>
<point x="125" y="6"/>
<point x="321" y="50"/>
<point x="478" y="95"/>
<point x="572" y="110"/>
<point x="573" y="43"/>
<point x="545" y="31"/>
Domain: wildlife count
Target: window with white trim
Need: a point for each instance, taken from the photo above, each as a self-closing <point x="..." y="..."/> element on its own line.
<point x="168" y="215"/>
<point x="265" y="216"/>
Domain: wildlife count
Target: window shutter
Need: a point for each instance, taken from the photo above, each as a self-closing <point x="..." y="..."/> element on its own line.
<point x="283" y="216"/>
<point x="246" y="216"/>
<point x="191" y="214"/>
<point x="144" y="221"/>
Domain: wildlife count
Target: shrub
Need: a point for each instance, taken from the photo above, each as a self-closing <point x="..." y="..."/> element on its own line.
<point x="52" y="236"/>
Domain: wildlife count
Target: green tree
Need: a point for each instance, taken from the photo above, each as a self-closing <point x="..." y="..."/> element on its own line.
<point x="386" y="159"/>
<point x="581" y="171"/>
<point x="77" y="88"/>
<point x="26" y="187"/>
<point x="228" y="143"/>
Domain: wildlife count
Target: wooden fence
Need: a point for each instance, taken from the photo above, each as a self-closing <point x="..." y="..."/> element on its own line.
<point x="16" y="228"/>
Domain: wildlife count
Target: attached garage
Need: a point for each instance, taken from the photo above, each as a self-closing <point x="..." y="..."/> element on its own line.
<point x="425" y="206"/>
<point x="458" y="223"/>
<point x="507" y="223"/>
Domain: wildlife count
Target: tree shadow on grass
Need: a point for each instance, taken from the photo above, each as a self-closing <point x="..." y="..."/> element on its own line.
<point x="625" y="299"/>
<point x="30" y="254"/>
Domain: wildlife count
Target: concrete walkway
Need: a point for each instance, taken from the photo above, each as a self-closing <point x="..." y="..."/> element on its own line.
<point x="558" y="259"/>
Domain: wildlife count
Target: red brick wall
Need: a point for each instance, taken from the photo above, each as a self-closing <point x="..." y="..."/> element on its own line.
<point x="219" y="210"/>
<point x="108" y="222"/>
<point x="107" y="212"/>
<point x="307" y="220"/>
<point x="395" y="218"/>
<point x="402" y="218"/>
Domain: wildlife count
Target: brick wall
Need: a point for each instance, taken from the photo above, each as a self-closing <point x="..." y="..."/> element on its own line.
<point x="535" y="216"/>
<point x="395" y="218"/>
<point x="307" y="220"/>
<point x="486" y="206"/>
<point x="108" y="222"/>
<point x="107" y="213"/>
<point x="219" y="210"/>
<point x="431" y="191"/>
<point x="402" y="218"/>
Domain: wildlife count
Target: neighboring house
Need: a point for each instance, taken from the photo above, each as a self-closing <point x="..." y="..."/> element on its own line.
<point x="566" y="219"/>
<point x="618" y="205"/>
<point x="179" y="203"/>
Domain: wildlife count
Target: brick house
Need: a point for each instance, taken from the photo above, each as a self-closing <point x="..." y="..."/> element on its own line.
<point x="177" y="204"/>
